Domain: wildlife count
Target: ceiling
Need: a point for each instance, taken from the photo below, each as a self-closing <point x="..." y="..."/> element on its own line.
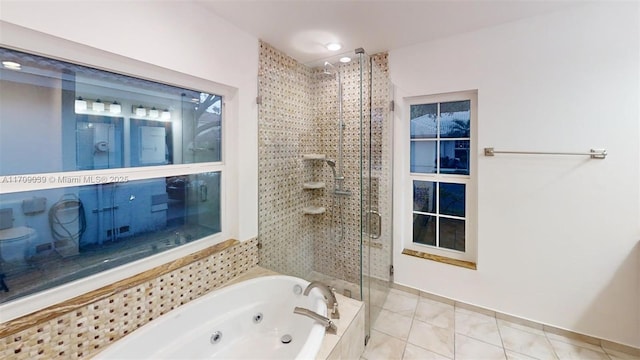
<point x="302" y="28"/>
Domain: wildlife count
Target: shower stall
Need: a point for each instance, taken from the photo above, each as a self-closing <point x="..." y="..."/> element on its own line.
<point x="325" y="166"/>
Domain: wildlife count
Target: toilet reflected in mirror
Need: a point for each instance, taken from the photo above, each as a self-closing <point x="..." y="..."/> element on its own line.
<point x="15" y="242"/>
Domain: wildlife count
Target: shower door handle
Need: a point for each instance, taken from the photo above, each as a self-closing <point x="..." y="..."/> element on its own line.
<point x="379" y="230"/>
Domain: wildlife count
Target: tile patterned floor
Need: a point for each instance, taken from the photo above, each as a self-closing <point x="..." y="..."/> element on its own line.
<point x="413" y="327"/>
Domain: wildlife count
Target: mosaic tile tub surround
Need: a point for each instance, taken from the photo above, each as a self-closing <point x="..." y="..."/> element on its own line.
<point x="83" y="326"/>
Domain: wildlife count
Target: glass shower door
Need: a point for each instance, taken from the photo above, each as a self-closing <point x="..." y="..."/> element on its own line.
<point x="376" y="174"/>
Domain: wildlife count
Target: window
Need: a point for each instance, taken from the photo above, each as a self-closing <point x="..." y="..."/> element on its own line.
<point x="95" y="170"/>
<point x="442" y="129"/>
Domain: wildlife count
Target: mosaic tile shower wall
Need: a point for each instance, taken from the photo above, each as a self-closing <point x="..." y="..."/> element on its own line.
<point x="285" y="132"/>
<point x="343" y="261"/>
<point x="337" y="245"/>
<point x="299" y="115"/>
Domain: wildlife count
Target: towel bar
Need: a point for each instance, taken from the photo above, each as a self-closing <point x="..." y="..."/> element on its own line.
<point x="593" y="153"/>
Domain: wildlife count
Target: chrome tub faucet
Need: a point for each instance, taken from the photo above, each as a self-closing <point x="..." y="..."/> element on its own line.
<point x="329" y="326"/>
<point x="330" y="297"/>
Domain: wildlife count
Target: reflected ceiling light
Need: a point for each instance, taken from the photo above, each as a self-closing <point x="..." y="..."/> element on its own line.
<point x="154" y="113"/>
<point x="166" y="115"/>
<point x="334" y="46"/>
<point x="141" y="111"/>
<point x="98" y="106"/>
<point x="115" y="108"/>
<point x="11" y="65"/>
<point x="345" y="59"/>
<point x="80" y="104"/>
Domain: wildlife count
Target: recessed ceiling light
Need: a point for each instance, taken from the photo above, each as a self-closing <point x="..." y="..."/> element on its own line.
<point x="11" y="65"/>
<point x="345" y="59"/>
<point x="334" y="46"/>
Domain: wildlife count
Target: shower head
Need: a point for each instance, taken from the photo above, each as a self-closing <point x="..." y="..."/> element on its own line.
<point x="328" y="68"/>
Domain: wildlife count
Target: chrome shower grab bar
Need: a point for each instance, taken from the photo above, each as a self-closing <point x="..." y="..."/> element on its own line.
<point x="379" y="229"/>
<point x="593" y="153"/>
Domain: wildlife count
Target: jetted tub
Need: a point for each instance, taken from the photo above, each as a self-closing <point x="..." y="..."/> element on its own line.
<point x="252" y="319"/>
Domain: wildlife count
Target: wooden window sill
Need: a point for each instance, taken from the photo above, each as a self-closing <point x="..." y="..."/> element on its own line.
<point x="441" y="259"/>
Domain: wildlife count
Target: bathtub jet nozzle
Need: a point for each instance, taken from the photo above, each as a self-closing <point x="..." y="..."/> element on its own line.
<point x="215" y="337"/>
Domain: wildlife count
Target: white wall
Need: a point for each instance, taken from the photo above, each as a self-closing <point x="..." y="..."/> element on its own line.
<point x="558" y="236"/>
<point x="21" y="121"/>
<point x="178" y="36"/>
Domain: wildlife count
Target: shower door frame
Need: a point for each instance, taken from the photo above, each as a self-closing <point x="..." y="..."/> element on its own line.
<point x="372" y="230"/>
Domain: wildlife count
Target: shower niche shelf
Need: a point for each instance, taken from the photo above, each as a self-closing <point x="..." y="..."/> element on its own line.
<point x="314" y="156"/>
<point x="314" y="210"/>
<point x="310" y="185"/>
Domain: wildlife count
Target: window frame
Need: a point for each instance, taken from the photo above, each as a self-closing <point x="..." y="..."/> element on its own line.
<point x="64" y="50"/>
<point x="470" y="181"/>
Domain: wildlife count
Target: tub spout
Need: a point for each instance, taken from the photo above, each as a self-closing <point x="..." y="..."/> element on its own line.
<point x="329" y="325"/>
<point x="332" y="303"/>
